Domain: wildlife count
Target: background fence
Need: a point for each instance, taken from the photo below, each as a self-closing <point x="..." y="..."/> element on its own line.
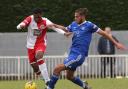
<point x="18" y="68"/>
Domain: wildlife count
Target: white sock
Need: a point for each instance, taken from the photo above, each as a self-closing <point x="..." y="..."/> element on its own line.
<point x="44" y="72"/>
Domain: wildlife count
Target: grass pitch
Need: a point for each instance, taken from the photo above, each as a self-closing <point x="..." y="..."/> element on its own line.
<point x="65" y="84"/>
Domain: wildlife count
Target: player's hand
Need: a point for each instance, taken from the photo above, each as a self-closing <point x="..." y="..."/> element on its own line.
<point x="22" y="26"/>
<point x="120" y="46"/>
<point x="67" y="34"/>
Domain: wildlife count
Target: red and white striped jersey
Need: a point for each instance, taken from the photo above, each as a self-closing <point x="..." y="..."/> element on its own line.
<point x="36" y="31"/>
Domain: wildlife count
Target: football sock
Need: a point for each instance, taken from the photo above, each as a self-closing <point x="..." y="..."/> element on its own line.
<point x="53" y="81"/>
<point x="43" y="69"/>
<point x="79" y="82"/>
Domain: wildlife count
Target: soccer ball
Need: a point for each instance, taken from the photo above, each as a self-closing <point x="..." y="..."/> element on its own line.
<point x="30" y="85"/>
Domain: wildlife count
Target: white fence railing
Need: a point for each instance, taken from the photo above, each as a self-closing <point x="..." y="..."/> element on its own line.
<point x="95" y="66"/>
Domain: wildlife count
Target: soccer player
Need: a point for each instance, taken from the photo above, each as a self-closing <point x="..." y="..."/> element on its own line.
<point x="36" y="40"/>
<point x="82" y="33"/>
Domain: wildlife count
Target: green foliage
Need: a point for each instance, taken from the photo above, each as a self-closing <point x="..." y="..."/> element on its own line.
<point x="102" y="12"/>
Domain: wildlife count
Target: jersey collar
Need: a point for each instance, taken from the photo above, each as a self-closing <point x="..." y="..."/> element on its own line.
<point x="82" y="23"/>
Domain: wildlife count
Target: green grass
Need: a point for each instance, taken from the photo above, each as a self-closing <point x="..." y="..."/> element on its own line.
<point x="65" y="84"/>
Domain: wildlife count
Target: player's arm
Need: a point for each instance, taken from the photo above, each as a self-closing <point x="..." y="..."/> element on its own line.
<point x="67" y="33"/>
<point x="61" y="27"/>
<point x="117" y="44"/>
<point x="58" y="28"/>
<point x="24" y="23"/>
<point x="52" y="26"/>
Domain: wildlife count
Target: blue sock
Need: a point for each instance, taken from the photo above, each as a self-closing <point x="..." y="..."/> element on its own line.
<point x="77" y="81"/>
<point x="53" y="81"/>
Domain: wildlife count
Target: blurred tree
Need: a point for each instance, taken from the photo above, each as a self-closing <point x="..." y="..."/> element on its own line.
<point x="102" y="12"/>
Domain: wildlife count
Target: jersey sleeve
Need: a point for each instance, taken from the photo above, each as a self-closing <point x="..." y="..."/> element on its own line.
<point x="48" y="22"/>
<point x="69" y="28"/>
<point x="94" y="28"/>
<point x="27" y="21"/>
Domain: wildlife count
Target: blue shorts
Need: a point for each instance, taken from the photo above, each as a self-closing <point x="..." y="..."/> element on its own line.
<point x="74" y="60"/>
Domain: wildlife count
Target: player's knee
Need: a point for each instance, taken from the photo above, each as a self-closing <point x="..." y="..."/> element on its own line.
<point x="39" y="55"/>
<point x="58" y="69"/>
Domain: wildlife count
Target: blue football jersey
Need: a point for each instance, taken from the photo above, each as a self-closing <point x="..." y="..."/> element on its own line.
<point x="82" y="34"/>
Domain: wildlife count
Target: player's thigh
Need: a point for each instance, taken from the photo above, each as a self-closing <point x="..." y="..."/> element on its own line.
<point x="31" y="56"/>
<point x="73" y="61"/>
<point x="39" y="55"/>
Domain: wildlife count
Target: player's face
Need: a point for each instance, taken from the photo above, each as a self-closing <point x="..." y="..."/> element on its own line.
<point x="37" y="17"/>
<point x="78" y="18"/>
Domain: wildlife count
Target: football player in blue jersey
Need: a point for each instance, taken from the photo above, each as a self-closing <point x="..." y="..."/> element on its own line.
<point x="82" y="33"/>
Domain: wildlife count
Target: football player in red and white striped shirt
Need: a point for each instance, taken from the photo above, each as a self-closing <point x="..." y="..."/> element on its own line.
<point x="36" y="40"/>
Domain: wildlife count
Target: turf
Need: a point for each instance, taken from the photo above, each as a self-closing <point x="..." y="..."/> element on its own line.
<point x="65" y="84"/>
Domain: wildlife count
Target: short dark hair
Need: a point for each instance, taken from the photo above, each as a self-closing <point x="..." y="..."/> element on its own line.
<point x="37" y="10"/>
<point x="82" y="11"/>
